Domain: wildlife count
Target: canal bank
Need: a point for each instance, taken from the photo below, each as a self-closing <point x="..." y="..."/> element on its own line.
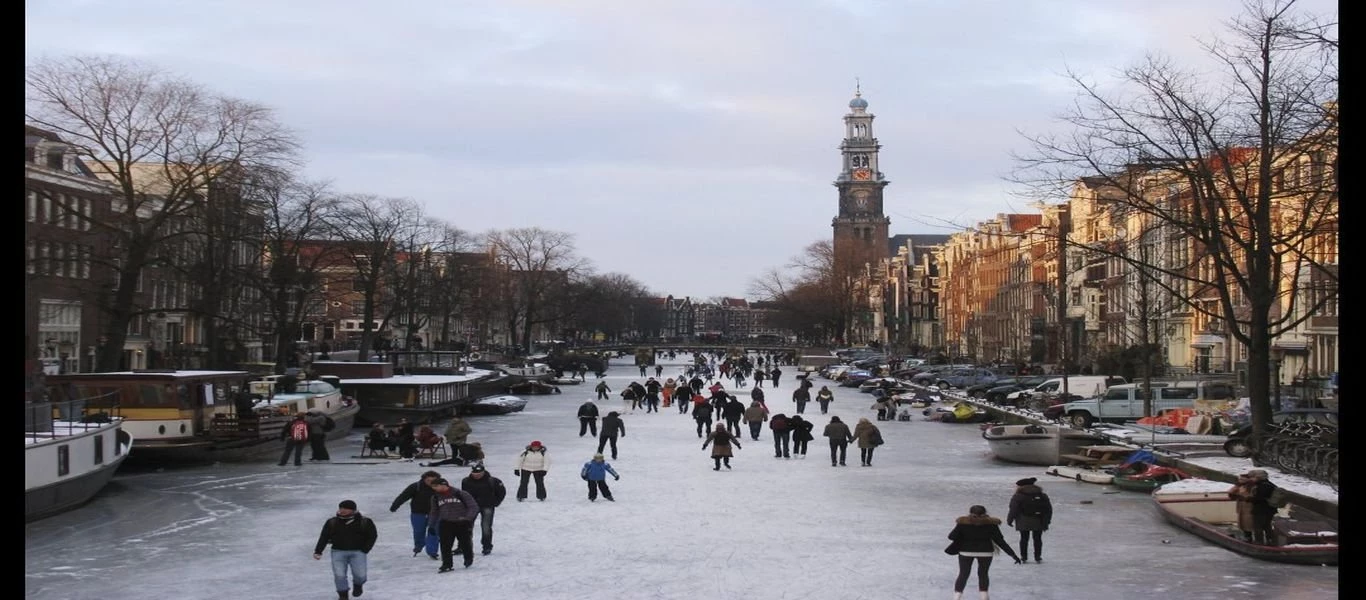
<point x="1299" y="490"/>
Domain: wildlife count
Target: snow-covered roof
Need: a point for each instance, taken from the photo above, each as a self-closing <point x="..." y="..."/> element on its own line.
<point x="1196" y="485"/>
<point x="159" y="374"/>
<point x="470" y="375"/>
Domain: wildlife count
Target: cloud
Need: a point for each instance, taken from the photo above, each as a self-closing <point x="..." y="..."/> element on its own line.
<point x="688" y="144"/>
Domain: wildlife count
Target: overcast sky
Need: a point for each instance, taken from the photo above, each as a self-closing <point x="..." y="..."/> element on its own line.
<point x="688" y="143"/>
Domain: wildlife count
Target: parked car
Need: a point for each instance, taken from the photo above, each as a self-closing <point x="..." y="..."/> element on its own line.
<point x="1237" y="444"/>
<point x="962" y="378"/>
<point x="995" y="391"/>
<point x="855" y="377"/>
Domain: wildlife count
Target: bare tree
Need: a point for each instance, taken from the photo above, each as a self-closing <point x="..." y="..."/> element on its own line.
<point x="452" y="281"/>
<point x="816" y="290"/>
<point x="289" y="286"/>
<point x="534" y="266"/>
<point x="1237" y="163"/>
<point x="371" y="230"/>
<point x="162" y="141"/>
<point x="604" y="302"/>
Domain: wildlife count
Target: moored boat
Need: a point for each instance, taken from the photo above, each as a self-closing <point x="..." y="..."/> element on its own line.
<point x="494" y="405"/>
<point x="200" y="416"/>
<point x="1036" y="444"/>
<point x="71" y="451"/>
<point x="1081" y="474"/>
<point x="1146" y="479"/>
<point x="417" y="398"/>
<point x="1204" y="508"/>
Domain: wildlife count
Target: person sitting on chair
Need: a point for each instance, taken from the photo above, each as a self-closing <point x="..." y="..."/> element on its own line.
<point x="377" y="440"/>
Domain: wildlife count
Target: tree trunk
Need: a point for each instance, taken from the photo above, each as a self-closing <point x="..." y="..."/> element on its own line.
<point x="110" y="357"/>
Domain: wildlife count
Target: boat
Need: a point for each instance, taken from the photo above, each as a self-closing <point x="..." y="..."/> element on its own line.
<point x="421" y="399"/>
<point x="198" y="416"/>
<point x="1203" y="507"/>
<point x="1144" y="477"/>
<point x="532" y="387"/>
<point x="494" y="405"/>
<point x="71" y="451"/>
<point x="960" y="412"/>
<point x="1082" y="474"/>
<point x="1036" y="444"/>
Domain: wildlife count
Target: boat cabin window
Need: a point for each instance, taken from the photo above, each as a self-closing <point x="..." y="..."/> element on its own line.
<point x="319" y="387"/>
<point x="155" y="395"/>
<point x="99" y="449"/>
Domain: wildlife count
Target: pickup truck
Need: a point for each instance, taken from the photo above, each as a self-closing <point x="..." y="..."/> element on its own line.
<point x="1126" y="402"/>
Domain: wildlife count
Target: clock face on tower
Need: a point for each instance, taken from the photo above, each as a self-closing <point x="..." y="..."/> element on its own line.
<point x="862" y="174"/>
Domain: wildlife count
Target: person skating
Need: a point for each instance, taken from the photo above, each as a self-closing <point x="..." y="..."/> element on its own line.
<point x="774" y="375"/>
<point x="352" y="536"/>
<point x="801" y="396"/>
<point x="840" y="437"/>
<point x="974" y="537"/>
<point x="702" y="414"/>
<point x="418" y="495"/>
<point x="756" y="415"/>
<point x="533" y="462"/>
<point x="733" y="411"/>
<point x="759" y="377"/>
<point x="602" y="390"/>
<point x="295" y="435"/>
<point x="612" y="426"/>
<point x="595" y="473"/>
<point x="869" y="438"/>
<point x="683" y="397"/>
<point x="721" y="441"/>
<point x="757" y="395"/>
<point x="652" y="391"/>
<point x="457" y="432"/>
<point x="453" y="511"/>
<point x="801" y="434"/>
<point x="824" y="397"/>
<point x="668" y="391"/>
<point x="488" y="492"/>
<point x="317" y="434"/>
<point x="782" y="435"/>
<point x="588" y="418"/>
<point x="1030" y="513"/>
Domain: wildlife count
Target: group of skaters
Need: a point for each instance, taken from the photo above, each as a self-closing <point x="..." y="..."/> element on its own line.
<point x="443" y="514"/>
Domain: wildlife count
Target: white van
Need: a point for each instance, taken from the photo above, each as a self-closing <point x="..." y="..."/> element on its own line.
<point x="1086" y="386"/>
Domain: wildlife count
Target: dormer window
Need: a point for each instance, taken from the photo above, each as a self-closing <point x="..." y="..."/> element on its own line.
<point x="55" y="160"/>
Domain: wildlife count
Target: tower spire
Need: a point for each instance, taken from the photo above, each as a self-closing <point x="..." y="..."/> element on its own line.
<point x="858" y="87"/>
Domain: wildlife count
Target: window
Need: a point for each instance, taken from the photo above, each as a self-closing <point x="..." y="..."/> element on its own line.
<point x="88" y="210"/>
<point x="54" y="159"/>
<point x="63" y="460"/>
<point x="32" y="214"/>
<point x="99" y="449"/>
<point x="44" y="209"/>
<point x="32" y="250"/>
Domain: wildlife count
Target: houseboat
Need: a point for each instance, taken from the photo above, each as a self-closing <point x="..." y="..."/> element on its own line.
<point x="71" y="451"/>
<point x="417" y="398"/>
<point x="179" y="415"/>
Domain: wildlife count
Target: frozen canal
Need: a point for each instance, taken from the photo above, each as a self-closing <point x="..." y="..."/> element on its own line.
<point x="771" y="528"/>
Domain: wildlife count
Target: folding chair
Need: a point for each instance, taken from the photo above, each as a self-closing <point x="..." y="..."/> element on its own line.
<point x="367" y="450"/>
<point x="435" y="444"/>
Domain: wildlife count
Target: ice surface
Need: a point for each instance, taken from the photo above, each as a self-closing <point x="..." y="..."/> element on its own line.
<point x="768" y="529"/>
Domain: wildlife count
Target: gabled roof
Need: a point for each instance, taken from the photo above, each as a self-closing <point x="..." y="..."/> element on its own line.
<point x="915" y="240"/>
<point x="734" y="303"/>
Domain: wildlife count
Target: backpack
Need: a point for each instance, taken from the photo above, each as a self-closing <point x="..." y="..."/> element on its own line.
<point x="1278" y="498"/>
<point x="328" y="423"/>
<point x="499" y="491"/>
<point x="1035" y="505"/>
<point x="298" y="431"/>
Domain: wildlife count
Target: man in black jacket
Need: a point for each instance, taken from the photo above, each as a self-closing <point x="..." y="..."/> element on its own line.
<point x="419" y="494"/>
<point x="611" y="427"/>
<point x="352" y="536"/>
<point x="488" y="492"/>
<point x="588" y="419"/>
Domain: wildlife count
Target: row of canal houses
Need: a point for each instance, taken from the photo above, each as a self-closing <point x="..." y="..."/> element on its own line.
<point x="1003" y="290"/>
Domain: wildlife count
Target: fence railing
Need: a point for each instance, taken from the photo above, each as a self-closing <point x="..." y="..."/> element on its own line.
<point x="43" y="419"/>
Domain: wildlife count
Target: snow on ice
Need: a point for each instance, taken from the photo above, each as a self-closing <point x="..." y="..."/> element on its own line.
<point x="771" y="528"/>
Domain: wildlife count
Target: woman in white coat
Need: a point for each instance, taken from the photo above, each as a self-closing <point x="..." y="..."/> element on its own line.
<point x="532" y="462"/>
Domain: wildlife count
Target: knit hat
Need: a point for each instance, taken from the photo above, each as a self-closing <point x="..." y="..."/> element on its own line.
<point x="477" y="468"/>
<point x="536" y="444"/>
<point x="351" y="504"/>
<point x="1027" y="481"/>
<point x="441" y="482"/>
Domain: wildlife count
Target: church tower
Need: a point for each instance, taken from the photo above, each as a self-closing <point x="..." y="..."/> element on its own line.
<point x="860" y="227"/>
